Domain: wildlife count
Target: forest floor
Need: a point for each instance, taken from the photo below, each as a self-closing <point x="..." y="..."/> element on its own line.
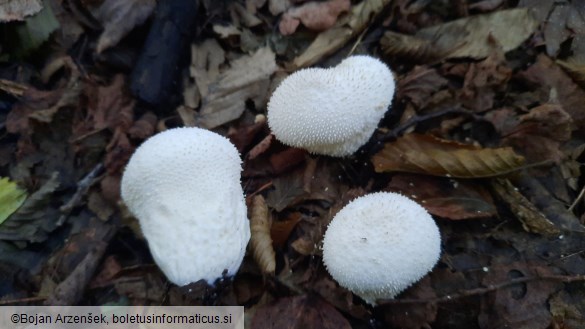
<point x="486" y="130"/>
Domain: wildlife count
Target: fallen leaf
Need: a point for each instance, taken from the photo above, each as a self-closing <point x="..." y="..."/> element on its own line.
<point x="425" y="154"/>
<point x="287" y="159"/>
<point x="119" y="17"/>
<point x="419" y="84"/>
<point x="447" y="198"/>
<point x="522" y="306"/>
<point x="483" y="80"/>
<point x="288" y="189"/>
<point x="567" y="310"/>
<point x="351" y="25"/>
<point x="11" y="198"/>
<point x="475" y="36"/>
<point x="555" y="31"/>
<point x="299" y="312"/>
<point x="25" y="38"/>
<point x="540" y="133"/>
<point x="412" y="316"/>
<point x="317" y="16"/>
<point x="17" y="10"/>
<point x="548" y="78"/>
<point x="531" y="218"/>
<point x="34" y="219"/>
<point x="260" y="240"/>
<point x="281" y="229"/>
<point x="248" y="78"/>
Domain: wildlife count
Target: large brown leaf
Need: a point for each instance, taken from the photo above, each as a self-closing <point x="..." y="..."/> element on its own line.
<point x="425" y="154"/>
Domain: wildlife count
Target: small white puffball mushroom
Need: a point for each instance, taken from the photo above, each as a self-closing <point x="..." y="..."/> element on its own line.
<point x="332" y="111"/>
<point x="184" y="187"/>
<point x="380" y="244"/>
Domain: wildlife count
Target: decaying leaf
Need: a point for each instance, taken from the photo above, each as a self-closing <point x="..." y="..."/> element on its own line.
<point x="540" y="133"/>
<point x="34" y="219"/>
<point x="445" y="197"/>
<point x="260" y="241"/>
<point x="575" y="65"/>
<point x="11" y="198"/>
<point x="17" y="10"/>
<point x="476" y="36"/>
<point x="248" y="78"/>
<point x="346" y="28"/>
<point x="548" y="78"/>
<point x="522" y="306"/>
<point x="317" y="16"/>
<point x="288" y="189"/>
<point x="281" y="230"/>
<point x="531" y="218"/>
<point x="119" y="17"/>
<point x="299" y="312"/>
<point x="429" y="155"/>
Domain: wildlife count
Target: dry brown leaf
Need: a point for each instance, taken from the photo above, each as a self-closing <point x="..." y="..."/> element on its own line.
<point x="447" y="198"/>
<point x="575" y="65"/>
<point x="260" y="240"/>
<point x="282" y="229"/>
<point x="346" y="28"/>
<point x="248" y="78"/>
<point x="550" y="79"/>
<point x="17" y="10"/>
<point x="317" y="16"/>
<point x="419" y="84"/>
<point x="429" y="155"/>
<point x="475" y="36"/>
<point x="119" y="17"/>
<point x="541" y="132"/>
<point x="531" y="218"/>
<point x="299" y="312"/>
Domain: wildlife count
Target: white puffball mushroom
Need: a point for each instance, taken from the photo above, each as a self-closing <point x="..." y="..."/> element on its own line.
<point x="184" y="187"/>
<point x="332" y="111"/>
<point x="380" y="244"/>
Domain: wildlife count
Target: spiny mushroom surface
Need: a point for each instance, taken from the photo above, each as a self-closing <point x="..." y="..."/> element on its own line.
<point x="184" y="187"/>
<point x="380" y="244"/>
<point x="332" y="111"/>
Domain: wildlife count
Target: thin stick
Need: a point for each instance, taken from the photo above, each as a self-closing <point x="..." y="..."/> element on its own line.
<point x="482" y="291"/>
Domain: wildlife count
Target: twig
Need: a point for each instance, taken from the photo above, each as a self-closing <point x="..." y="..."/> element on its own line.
<point x="394" y="133"/>
<point x="84" y="184"/>
<point x="482" y="291"/>
<point x="578" y="199"/>
<point x="22" y="300"/>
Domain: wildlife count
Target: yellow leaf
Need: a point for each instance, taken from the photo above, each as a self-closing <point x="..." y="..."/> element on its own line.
<point x="424" y="154"/>
<point x="11" y="198"/>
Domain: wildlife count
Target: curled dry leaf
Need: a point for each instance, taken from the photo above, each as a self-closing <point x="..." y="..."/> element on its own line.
<point x="260" y="240"/>
<point x="429" y="155"/>
<point x="317" y="16"/>
<point x="411" y="47"/>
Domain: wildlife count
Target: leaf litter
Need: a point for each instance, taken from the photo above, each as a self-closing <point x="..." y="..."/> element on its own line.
<point x="485" y="131"/>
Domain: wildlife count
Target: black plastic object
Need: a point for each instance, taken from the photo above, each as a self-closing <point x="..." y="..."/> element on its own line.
<point x="156" y="69"/>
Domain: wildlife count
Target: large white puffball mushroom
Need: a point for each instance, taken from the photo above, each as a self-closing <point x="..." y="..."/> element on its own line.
<point x="331" y="111"/>
<point x="380" y="244"/>
<point x="184" y="187"/>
